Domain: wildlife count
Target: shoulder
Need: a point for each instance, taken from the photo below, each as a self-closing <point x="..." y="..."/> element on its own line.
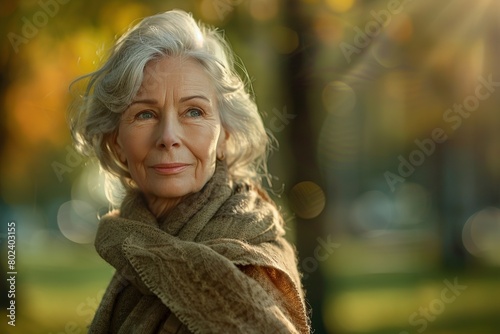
<point x="247" y="215"/>
<point x="251" y="202"/>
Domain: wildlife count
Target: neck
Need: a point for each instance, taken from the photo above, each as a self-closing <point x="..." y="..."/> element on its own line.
<point x="160" y="207"/>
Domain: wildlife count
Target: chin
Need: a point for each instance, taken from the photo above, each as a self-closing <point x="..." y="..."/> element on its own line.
<point x="172" y="190"/>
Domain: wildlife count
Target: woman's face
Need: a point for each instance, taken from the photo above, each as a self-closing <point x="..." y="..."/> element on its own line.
<point x="171" y="133"/>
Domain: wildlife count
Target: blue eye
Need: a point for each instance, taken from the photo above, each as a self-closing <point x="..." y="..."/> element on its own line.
<point x="194" y="113"/>
<point x="144" y="115"/>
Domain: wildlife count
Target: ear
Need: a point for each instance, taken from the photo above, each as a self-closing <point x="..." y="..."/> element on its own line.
<point x="221" y="143"/>
<point x="117" y="146"/>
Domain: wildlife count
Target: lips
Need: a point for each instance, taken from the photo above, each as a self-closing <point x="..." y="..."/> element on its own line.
<point x="170" y="168"/>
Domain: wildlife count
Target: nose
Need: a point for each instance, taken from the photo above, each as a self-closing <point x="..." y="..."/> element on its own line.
<point x="168" y="133"/>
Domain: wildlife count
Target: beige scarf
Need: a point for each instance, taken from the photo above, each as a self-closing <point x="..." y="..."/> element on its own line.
<point x="218" y="263"/>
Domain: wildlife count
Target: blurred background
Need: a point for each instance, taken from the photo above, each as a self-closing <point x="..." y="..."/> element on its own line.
<point x="387" y="172"/>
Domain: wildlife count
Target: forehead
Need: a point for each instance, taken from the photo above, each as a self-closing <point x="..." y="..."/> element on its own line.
<point x="179" y="74"/>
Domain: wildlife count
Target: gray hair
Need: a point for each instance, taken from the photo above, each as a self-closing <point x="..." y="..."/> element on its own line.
<point x="95" y="116"/>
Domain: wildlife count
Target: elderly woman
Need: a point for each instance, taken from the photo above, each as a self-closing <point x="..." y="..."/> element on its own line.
<point x="197" y="244"/>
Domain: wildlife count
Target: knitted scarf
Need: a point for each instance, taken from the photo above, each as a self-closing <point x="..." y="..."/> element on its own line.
<point x="217" y="263"/>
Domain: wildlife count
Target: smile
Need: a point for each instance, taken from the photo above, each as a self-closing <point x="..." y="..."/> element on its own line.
<point x="171" y="168"/>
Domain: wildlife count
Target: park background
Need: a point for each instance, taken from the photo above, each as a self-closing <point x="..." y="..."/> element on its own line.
<point x="387" y="171"/>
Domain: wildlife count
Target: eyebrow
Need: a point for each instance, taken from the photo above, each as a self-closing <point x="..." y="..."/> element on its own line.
<point x="184" y="99"/>
<point x="145" y="101"/>
<point x="187" y="98"/>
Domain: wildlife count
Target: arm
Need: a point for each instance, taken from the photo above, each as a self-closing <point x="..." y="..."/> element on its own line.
<point x="208" y="292"/>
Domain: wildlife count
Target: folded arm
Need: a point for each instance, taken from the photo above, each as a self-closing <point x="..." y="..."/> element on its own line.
<point x="209" y="292"/>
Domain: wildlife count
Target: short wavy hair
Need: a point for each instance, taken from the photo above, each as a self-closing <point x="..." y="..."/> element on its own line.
<point x="95" y="115"/>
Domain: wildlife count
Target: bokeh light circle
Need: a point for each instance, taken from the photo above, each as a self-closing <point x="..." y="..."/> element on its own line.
<point x="307" y="199"/>
<point x="373" y="210"/>
<point x="481" y="233"/>
<point x="77" y="221"/>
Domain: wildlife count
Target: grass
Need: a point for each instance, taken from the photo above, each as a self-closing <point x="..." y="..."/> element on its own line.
<point x="58" y="288"/>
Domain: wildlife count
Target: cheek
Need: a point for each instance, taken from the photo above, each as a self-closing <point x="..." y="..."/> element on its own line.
<point x="206" y="142"/>
<point x="134" y="144"/>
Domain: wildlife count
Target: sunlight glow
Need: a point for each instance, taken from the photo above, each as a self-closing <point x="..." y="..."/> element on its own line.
<point x="340" y="6"/>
